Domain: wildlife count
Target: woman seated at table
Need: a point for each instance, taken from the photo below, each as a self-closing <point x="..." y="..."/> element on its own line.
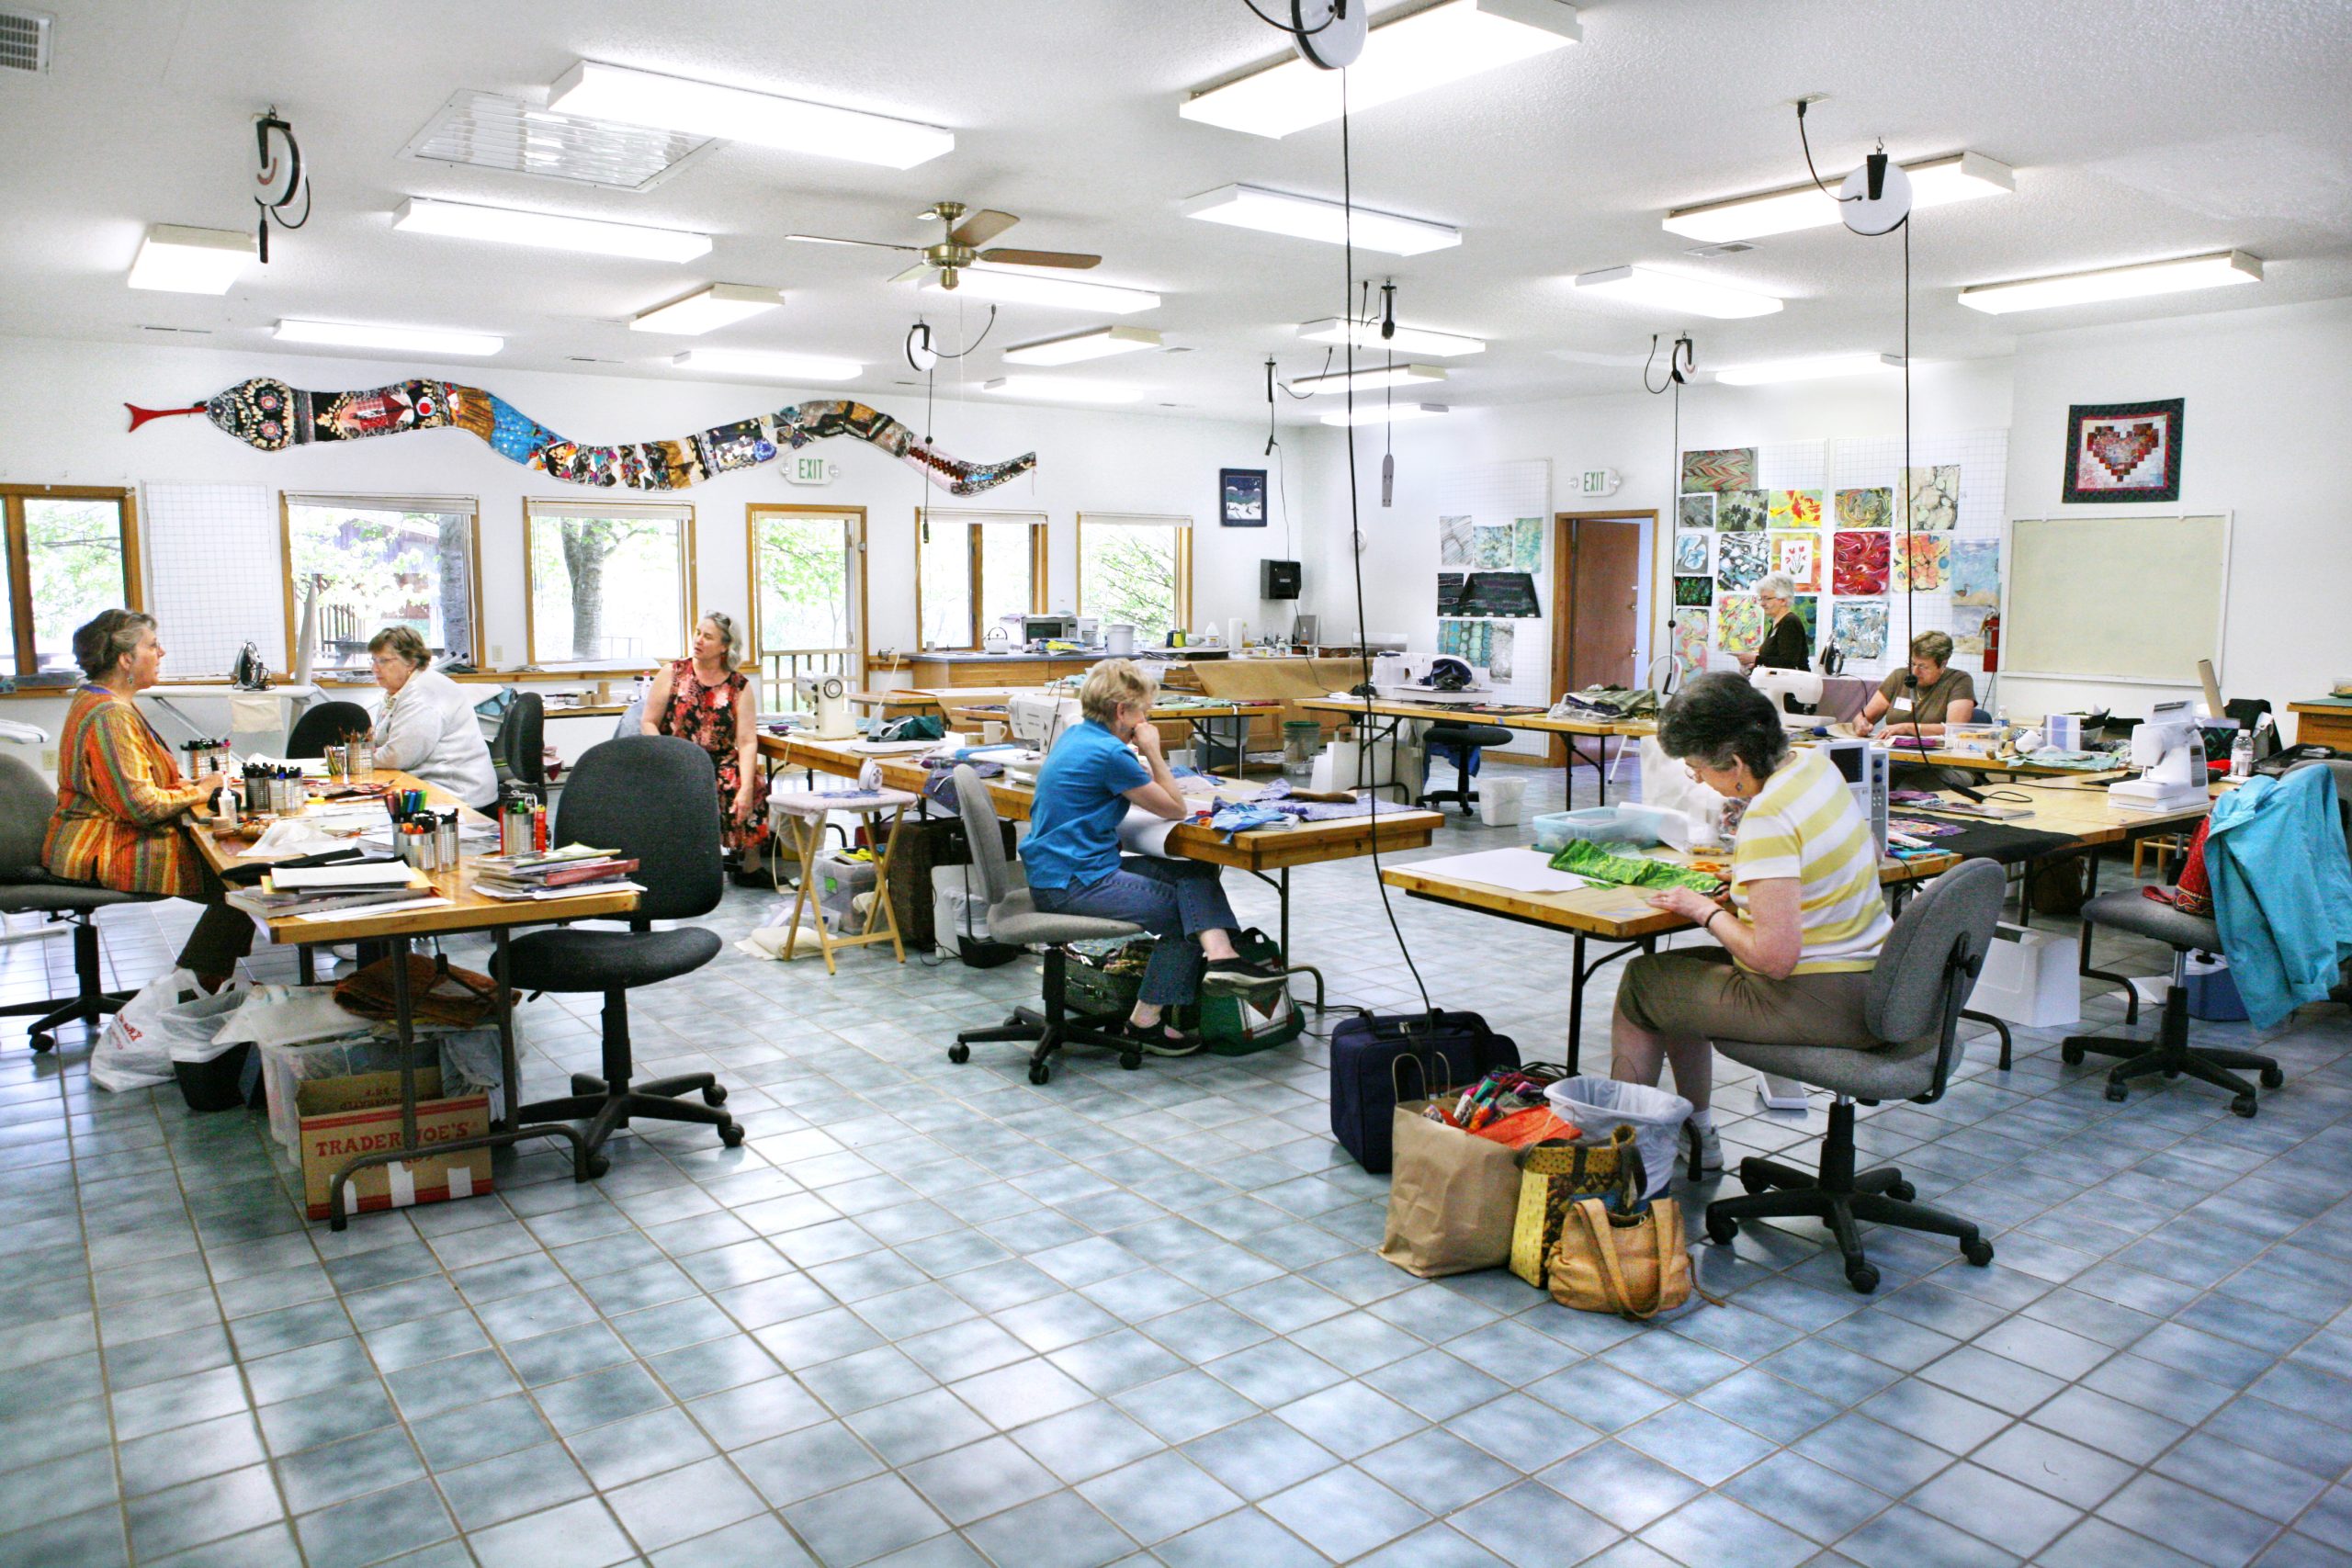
<point x="122" y="808"/>
<point x="1110" y="760"/>
<point x="704" y="699"/>
<point x="1805" y="919"/>
<point x="1938" y="693"/>
<point x="428" y="726"/>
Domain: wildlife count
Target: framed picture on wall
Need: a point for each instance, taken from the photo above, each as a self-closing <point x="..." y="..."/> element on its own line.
<point x="2123" y="451"/>
<point x="1241" y="497"/>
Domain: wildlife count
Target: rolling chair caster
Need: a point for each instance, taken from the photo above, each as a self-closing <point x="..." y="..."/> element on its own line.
<point x="959" y="1052"/>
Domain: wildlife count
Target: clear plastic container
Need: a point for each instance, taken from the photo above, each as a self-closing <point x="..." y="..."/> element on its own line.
<point x="1621" y="824"/>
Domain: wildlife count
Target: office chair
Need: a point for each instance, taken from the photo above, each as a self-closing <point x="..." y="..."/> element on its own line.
<point x="648" y="797"/>
<point x="1465" y="741"/>
<point x="324" y="724"/>
<point x="519" y="751"/>
<point x="1015" y="917"/>
<point x="26" y="803"/>
<point x="1922" y="978"/>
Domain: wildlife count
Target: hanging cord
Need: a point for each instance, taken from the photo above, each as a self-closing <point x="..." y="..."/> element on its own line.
<point x="1910" y="562"/>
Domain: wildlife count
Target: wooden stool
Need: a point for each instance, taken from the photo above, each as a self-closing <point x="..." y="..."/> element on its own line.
<point x="2165" y="846"/>
<point x="805" y="810"/>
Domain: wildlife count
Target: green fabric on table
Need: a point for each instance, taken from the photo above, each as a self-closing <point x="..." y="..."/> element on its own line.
<point x="1589" y="859"/>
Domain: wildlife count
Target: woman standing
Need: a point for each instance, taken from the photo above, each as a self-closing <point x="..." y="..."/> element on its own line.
<point x="704" y="699"/>
<point x="428" y="726"/>
<point x="1786" y="645"/>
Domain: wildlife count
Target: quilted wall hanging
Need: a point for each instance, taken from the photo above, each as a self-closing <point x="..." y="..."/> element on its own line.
<point x="2123" y="451"/>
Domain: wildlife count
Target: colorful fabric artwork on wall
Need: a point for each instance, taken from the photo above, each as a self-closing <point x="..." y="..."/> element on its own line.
<point x="1527" y="544"/>
<point x="1739" y="623"/>
<point x="1859" y="628"/>
<point x="1491" y="548"/>
<point x="1499" y="641"/>
<point x="1454" y="545"/>
<point x="1794" y="509"/>
<point x="1510" y="595"/>
<point x="1925" y="564"/>
<point x="1741" y="510"/>
<point x="269" y="414"/>
<point x="1806" y="607"/>
<point x="1934" y="497"/>
<point x="1859" y="562"/>
<point x="1740" y="559"/>
<point x="1730" y="468"/>
<point x="1694" y="589"/>
<point x="1968" y="629"/>
<point x="1694" y="552"/>
<point x="1697" y="511"/>
<point x="1450" y="637"/>
<point x="1872" y="508"/>
<point x="1690" y="643"/>
<point x="1449" y="592"/>
<point x="1976" y="572"/>
<point x="2118" y="451"/>
<point x="1797" y="556"/>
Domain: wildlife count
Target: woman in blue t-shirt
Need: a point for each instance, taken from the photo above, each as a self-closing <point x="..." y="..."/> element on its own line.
<point x="1094" y="773"/>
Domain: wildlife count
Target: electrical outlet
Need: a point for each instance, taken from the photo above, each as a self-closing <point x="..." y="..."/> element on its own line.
<point x="498" y="654"/>
<point x="48" y="758"/>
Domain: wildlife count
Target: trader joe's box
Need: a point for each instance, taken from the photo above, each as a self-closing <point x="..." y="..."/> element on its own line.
<point x="341" y="1118"/>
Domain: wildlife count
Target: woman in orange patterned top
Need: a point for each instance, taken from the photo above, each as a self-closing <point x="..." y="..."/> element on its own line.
<point x="122" y="808"/>
<point x="704" y="699"/>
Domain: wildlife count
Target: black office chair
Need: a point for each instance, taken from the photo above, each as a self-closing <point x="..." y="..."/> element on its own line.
<point x="324" y="724"/>
<point x="26" y="803"/>
<point x="647" y="797"/>
<point x="520" y="751"/>
<point x="1467" y="739"/>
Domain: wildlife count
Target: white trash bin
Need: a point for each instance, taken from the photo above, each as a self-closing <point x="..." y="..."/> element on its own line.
<point x="1501" y="802"/>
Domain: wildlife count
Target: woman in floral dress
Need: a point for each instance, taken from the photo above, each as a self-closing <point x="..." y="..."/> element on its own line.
<point x="704" y="699"/>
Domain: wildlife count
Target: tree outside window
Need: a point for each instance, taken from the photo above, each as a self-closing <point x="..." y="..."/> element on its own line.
<point x="609" y="587"/>
<point x="70" y="556"/>
<point x="1139" y="573"/>
<point x="379" y="564"/>
<point x="803" y="572"/>
<point x="975" y="571"/>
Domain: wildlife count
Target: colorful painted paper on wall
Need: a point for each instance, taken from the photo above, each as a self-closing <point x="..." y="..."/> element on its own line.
<point x="1872" y="508"/>
<point x="1697" y="511"/>
<point x="1806" y="608"/>
<point x="1859" y="628"/>
<point x="1739" y="623"/>
<point x="1741" y="510"/>
<point x="1797" y="556"/>
<point x="1694" y="552"/>
<point x="1976" y="572"/>
<point x="1740" y="559"/>
<point x="1492" y="548"/>
<point x="269" y="414"/>
<point x="1527" y="543"/>
<point x="1934" y="496"/>
<point x="1730" y="468"/>
<point x="1968" y="629"/>
<point x="1504" y="593"/>
<point x="1694" y="589"/>
<point x="1925" y="564"/>
<point x="2119" y="451"/>
<point x="1499" y="641"/>
<point x="1450" y="638"/>
<point x="1859" y="562"/>
<point x="1454" y="545"/>
<point x="1690" y="643"/>
<point x="1795" y="509"/>
<point x="1449" y="592"/>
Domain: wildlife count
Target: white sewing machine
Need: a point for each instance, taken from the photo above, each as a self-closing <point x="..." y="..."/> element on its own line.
<point x="1803" y="685"/>
<point x="1412" y="677"/>
<point x="829" y="694"/>
<point x="1037" y="719"/>
<point x="2169" y="750"/>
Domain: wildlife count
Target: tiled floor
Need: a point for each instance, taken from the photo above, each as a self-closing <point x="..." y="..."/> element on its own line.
<point x="932" y="1315"/>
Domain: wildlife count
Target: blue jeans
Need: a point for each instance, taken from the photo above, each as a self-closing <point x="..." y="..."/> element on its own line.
<point x="1175" y="900"/>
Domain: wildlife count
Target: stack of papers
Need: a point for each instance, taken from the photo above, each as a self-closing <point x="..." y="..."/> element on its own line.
<point x="317" y="890"/>
<point x="569" y="873"/>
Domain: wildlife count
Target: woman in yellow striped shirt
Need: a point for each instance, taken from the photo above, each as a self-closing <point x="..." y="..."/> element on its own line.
<point x="1804" y="924"/>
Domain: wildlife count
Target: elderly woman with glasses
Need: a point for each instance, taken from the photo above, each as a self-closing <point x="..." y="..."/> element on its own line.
<point x="1786" y="644"/>
<point x="705" y="699"/>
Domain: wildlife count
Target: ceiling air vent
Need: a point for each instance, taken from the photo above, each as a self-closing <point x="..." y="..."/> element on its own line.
<point x="1728" y="248"/>
<point x="483" y="131"/>
<point x="24" y="41"/>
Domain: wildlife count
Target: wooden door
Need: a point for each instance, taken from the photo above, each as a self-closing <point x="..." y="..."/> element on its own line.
<point x="1596" y="607"/>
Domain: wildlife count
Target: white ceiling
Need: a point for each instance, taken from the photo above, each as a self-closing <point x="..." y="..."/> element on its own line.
<point x="2139" y="129"/>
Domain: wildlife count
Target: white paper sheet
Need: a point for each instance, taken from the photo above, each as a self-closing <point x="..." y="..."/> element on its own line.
<point x="1144" y="834"/>
<point x="1518" y="870"/>
<point x="370" y="912"/>
<point x="376" y="873"/>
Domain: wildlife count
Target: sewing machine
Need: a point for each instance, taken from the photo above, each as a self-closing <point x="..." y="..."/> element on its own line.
<point x="1037" y="718"/>
<point x="1780" y="685"/>
<point x="1428" y="678"/>
<point x="830" y="697"/>
<point x="2169" y="750"/>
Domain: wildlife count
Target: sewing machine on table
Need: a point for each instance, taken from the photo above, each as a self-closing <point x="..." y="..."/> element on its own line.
<point x="2169" y="750"/>
<point x="1426" y="678"/>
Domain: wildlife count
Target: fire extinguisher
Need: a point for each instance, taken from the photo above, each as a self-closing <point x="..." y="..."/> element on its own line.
<point x="1993" y="642"/>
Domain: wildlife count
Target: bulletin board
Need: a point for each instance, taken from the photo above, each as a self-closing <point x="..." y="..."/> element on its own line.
<point x="2135" y="598"/>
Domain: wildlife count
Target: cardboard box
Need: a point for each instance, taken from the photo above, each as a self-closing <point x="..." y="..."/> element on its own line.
<point x="341" y="1118"/>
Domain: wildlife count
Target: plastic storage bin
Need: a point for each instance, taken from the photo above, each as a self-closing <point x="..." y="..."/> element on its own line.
<point x="1620" y="824"/>
<point x="2213" y="991"/>
<point x="1596" y="1106"/>
<point x="1501" y="802"/>
<point x="2029" y="979"/>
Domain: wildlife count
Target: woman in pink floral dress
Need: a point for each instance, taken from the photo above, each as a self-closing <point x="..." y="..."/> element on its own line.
<point x="704" y="699"/>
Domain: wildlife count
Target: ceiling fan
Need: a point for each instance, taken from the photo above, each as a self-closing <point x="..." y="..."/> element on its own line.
<point x="965" y="233"/>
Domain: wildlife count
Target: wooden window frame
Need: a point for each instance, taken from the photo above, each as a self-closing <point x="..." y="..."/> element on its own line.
<point x="472" y="505"/>
<point x="1180" y="522"/>
<point x="753" y="513"/>
<point x="1039" y="558"/>
<point x="686" y="579"/>
<point x="21" y="574"/>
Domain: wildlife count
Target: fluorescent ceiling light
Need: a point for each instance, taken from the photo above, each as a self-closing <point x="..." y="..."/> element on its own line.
<point x="413" y="340"/>
<point x="1379" y="413"/>
<point x="1935" y="182"/>
<point x="190" y="261"/>
<point x="1309" y="218"/>
<point x="2215" y="271"/>
<point x="1370" y="380"/>
<point x="1668" y="291"/>
<point x="1815" y="369"/>
<point x="1028" y="289"/>
<point x="1429" y="49"/>
<point x="720" y="305"/>
<point x="1100" y="343"/>
<point x="507" y="226"/>
<point x="1065" y="391"/>
<point x="1408" y="340"/>
<point x="706" y="109"/>
<point x="768" y="365"/>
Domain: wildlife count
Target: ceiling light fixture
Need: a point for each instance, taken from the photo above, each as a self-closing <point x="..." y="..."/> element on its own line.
<point x="1406" y="340"/>
<point x="1028" y="288"/>
<point x="738" y="114"/>
<point x="1369" y="380"/>
<point x="1066" y="391"/>
<point x="190" y="261"/>
<point x="1309" y="217"/>
<point x="1668" y="291"/>
<point x="1935" y="182"/>
<point x="766" y="364"/>
<point x="508" y="226"/>
<point x="410" y="340"/>
<point x="1100" y="343"/>
<point x="1377" y="413"/>
<point x="1765" y="372"/>
<point x="706" y="309"/>
<point x="1429" y="49"/>
<point x="2218" y="270"/>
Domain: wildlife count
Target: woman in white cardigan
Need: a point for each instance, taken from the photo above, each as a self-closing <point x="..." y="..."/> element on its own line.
<point x="428" y="726"/>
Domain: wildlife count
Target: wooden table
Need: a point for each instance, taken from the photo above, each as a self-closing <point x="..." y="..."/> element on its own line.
<point x="966" y="709"/>
<point x="466" y="911"/>
<point x="2324" y="721"/>
<point x="1537" y="722"/>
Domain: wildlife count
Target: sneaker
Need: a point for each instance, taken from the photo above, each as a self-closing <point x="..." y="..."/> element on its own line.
<point x="1703" y="1149"/>
<point x="1239" y="973"/>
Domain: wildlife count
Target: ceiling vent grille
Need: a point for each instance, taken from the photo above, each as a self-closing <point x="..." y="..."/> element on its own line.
<point x="1728" y="248"/>
<point x="483" y="131"/>
<point x="24" y="41"/>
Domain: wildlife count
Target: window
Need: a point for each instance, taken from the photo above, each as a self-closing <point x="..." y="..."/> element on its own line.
<point x="382" y="562"/>
<point x="607" y="583"/>
<point x="1137" y="569"/>
<point x="809" y="594"/>
<point x="974" y="568"/>
<point x="71" y="552"/>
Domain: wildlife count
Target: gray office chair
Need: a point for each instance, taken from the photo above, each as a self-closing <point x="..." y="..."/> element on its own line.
<point x="324" y="724"/>
<point x="1015" y="917"/>
<point x="648" y="797"/>
<point x="1466" y="740"/>
<point x="26" y="803"/>
<point x="1923" y="976"/>
<point x="519" y="752"/>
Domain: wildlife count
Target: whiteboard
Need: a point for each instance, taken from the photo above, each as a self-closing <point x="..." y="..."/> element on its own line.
<point x="2130" y="598"/>
<point x="213" y="578"/>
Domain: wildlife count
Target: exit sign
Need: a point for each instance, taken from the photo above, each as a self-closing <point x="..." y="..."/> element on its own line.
<point x="807" y="469"/>
<point x="1597" y="481"/>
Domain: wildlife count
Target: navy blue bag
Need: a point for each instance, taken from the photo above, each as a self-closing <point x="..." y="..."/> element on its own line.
<point x="1448" y="1048"/>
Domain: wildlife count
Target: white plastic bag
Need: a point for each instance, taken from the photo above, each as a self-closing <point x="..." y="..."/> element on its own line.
<point x="191" y="1028"/>
<point x="1597" y="1106"/>
<point x="289" y="1015"/>
<point x="132" y="1053"/>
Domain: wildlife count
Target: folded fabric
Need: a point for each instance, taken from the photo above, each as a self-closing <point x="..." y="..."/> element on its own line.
<point x="1232" y="819"/>
<point x="1589" y="859"/>
<point x="1522" y="1128"/>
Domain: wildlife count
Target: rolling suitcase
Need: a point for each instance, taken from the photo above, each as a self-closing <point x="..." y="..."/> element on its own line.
<point x="1450" y="1048"/>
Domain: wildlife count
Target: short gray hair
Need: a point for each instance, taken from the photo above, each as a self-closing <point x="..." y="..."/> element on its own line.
<point x="1718" y="718"/>
<point x="106" y="639"/>
<point x="1776" y="585"/>
<point x="1932" y="645"/>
